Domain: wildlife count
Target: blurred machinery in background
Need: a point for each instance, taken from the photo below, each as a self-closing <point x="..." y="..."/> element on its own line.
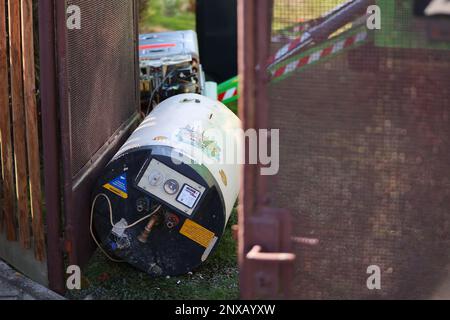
<point x="169" y="65"/>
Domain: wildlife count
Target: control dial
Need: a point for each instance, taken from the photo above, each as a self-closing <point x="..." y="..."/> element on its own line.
<point x="171" y="187"/>
<point x="156" y="178"/>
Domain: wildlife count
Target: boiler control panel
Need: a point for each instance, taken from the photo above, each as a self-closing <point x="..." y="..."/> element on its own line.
<point x="171" y="187"/>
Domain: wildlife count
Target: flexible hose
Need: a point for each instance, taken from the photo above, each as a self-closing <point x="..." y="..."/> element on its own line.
<point x="112" y="223"/>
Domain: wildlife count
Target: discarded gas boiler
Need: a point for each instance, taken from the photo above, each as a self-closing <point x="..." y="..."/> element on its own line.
<point x="163" y="201"/>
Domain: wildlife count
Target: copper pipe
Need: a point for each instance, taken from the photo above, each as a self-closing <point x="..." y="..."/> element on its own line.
<point x="148" y="229"/>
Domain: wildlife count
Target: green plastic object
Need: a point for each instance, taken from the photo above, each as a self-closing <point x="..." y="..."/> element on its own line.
<point x="223" y="88"/>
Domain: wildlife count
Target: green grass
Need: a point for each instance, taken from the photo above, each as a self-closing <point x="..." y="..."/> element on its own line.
<point x="160" y="17"/>
<point x="289" y="12"/>
<point x="216" y="279"/>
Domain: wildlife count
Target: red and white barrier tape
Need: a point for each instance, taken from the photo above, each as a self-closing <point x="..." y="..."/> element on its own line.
<point x="289" y="47"/>
<point x="318" y="55"/>
<point x="228" y="94"/>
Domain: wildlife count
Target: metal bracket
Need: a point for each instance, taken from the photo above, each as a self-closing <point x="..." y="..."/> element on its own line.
<point x="256" y="254"/>
<point x="269" y="257"/>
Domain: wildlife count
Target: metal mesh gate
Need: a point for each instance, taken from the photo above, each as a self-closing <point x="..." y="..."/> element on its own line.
<point x="101" y="61"/>
<point x="365" y="149"/>
<point x="98" y="102"/>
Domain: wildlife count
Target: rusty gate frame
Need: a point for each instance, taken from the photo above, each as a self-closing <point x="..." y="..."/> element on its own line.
<point x="77" y="190"/>
<point x="67" y="223"/>
<point x="51" y="143"/>
<point x="266" y="262"/>
<point x="262" y="228"/>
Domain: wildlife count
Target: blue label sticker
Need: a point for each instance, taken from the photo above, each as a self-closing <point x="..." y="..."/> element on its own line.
<point x="120" y="183"/>
<point x="118" y="186"/>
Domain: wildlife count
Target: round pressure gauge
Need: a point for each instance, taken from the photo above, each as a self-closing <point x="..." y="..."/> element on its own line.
<point x="156" y="178"/>
<point x="171" y="187"/>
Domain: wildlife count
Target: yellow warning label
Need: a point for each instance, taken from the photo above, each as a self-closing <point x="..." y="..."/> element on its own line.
<point x="115" y="190"/>
<point x="197" y="233"/>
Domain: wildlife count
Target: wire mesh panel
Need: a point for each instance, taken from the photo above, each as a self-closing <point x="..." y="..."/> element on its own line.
<point x="98" y="95"/>
<point x="365" y="150"/>
<point x="101" y="72"/>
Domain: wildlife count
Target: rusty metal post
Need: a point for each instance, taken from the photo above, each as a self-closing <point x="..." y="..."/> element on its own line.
<point x="254" y="29"/>
<point x="48" y="78"/>
<point x="65" y="127"/>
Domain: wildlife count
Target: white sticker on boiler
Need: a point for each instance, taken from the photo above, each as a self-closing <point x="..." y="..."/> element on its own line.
<point x="188" y="196"/>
